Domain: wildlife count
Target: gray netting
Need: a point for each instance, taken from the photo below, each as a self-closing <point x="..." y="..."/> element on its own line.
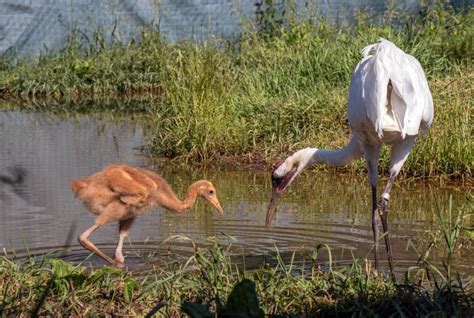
<point x="29" y="27"/>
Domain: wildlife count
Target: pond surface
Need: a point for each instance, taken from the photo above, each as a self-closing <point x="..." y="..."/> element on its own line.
<point x="39" y="214"/>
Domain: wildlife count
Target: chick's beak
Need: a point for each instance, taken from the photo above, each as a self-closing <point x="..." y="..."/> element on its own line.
<point x="215" y="203"/>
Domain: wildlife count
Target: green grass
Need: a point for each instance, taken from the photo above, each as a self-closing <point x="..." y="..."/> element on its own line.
<point x="266" y="94"/>
<point x="45" y="286"/>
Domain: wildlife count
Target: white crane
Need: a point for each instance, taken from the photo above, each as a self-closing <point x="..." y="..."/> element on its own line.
<point x="389" y="102"/>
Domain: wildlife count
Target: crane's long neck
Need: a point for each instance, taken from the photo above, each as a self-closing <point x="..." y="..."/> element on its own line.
<point x="310" y="156"/>
<point x="285" y="172"/>
<point x="351" y="152"/>
<point x="171" y="202"/>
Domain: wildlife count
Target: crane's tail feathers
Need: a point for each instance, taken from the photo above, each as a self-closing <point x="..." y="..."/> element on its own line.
<point x="366" y="51"/>
<point x="373" y="48"/>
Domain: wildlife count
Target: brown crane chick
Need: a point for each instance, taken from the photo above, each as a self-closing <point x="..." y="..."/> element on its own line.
<point x="121" y="193"/>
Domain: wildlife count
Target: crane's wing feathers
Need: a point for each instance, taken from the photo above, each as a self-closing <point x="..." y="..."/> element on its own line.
<point x="395" y="92"/>
<point x="130" y="184"/>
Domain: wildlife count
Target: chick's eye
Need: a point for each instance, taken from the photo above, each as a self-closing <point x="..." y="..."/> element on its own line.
<point x="211" y="191"/>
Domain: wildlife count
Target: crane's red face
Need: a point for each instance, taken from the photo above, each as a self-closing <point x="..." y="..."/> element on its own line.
<point x="280" y="181"/>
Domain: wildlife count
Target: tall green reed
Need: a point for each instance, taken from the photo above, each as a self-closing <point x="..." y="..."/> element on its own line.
<point x="445" y="241"/>
<point x="209" y="279"/>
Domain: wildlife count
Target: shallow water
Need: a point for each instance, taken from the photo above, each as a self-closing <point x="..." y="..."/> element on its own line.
<point x="40" y="215"/>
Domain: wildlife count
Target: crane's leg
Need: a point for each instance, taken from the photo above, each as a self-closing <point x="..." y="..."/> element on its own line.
<point x="375" y="225"/>
<point x="87" y="244"/>
<point x="372" y="153"/>
<point x="124" y="226"/>
<point x="399" y="155"/>
<point x="112" y="212"/>
<point x="383" y="211"/>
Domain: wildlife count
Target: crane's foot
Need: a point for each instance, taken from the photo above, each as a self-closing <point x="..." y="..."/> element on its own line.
<point x="87" y="244"/>
<point x="119" y="264"/>
<point x="119" y="260"/>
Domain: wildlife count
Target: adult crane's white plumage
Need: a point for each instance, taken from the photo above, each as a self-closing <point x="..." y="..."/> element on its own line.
<point x="390" y="89"/>
<point x="389" y="102"/>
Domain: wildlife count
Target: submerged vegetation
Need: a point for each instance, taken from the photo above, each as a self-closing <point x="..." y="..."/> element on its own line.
<point x="281" y="86"/>
<point x="211" y="281"/>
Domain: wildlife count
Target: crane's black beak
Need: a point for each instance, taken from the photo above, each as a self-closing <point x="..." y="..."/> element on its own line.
<point x="272" y="207"/>
<point x="279" y="185"/>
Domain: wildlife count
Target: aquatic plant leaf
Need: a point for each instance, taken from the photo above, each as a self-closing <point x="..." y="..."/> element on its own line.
<point x="109" y="270"/>
<point x="60" y="268"/>
<point x="197" y="310"/>
<point x="129" y="285"/>
<point x="243" y="301"/>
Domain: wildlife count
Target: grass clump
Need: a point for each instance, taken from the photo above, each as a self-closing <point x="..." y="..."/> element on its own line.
<point x="281" y="86"/>
<point x="205" y="283"/>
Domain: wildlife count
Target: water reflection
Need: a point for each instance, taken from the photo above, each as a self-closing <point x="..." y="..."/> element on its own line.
<point x="317" y="208"/>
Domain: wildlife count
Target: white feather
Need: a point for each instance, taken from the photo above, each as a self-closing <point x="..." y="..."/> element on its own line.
<point x="389" y="89"/>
